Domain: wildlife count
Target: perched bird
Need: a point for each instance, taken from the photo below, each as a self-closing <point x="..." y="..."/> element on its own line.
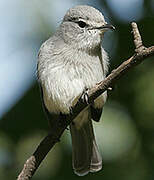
<point x="70" y="62"/>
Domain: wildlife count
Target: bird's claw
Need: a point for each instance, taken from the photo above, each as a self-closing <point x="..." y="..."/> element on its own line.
<point x="85" y="97"/>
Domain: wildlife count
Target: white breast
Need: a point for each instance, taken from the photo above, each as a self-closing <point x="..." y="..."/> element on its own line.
<point x="64" y="80"/>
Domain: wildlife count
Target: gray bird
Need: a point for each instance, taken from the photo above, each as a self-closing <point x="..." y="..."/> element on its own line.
<point x="69" y="63"/>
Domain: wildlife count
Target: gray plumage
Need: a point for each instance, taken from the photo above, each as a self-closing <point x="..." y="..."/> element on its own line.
<point x="71" y="61"/>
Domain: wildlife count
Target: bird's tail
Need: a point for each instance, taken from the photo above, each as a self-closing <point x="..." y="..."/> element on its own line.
<point x="85" y="154"/>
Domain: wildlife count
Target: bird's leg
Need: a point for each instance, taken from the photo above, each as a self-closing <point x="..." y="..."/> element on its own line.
<point x="85" y="96"/>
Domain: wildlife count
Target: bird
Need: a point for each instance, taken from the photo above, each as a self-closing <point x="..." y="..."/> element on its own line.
<point x="70" y="62"/>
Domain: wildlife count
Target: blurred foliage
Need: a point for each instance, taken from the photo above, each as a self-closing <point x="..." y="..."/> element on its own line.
<point x="127" y="133"/>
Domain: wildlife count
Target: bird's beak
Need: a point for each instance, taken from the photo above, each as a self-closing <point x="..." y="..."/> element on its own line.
<point x="106" y="26"/>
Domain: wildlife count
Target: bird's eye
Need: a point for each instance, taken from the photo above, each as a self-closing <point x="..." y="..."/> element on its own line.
<point x="82" y="24"/>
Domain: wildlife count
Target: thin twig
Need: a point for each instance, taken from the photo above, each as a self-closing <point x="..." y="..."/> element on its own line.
<point x="49" y="141"/>
<point x="137" y="38"/>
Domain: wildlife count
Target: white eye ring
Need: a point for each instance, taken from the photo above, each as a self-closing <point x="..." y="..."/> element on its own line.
<point x="82" y="24"/>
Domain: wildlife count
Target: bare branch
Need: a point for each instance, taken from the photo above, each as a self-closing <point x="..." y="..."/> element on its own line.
<point x="137" y="38"/>
<point x="49" y="141"/>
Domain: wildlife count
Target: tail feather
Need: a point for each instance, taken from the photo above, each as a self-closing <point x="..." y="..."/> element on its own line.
<point x="85" y="155"/>
<point x="96" y="161"/>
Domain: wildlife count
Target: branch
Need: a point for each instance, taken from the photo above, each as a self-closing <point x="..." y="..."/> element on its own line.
<point x="141" y="53"/>
<point x="137" y="39"/>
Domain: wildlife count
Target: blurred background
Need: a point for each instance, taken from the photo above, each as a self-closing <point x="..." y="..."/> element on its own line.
<point x="126" y="133"/>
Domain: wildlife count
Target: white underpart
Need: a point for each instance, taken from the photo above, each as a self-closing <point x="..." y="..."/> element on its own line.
<point x="63" y="83"/>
